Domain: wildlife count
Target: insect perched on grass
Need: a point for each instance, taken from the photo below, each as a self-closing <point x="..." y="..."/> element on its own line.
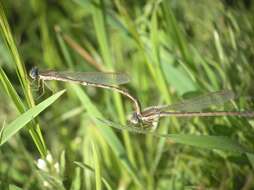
<point x="150" y="116"/>
<point x="94" y="79"/>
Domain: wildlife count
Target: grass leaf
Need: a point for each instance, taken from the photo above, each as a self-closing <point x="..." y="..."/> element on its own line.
<point x="26" y="117"/>
<point x="202" y="141"/>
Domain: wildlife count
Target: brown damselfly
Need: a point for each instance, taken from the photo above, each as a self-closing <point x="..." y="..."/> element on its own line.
<point x="188" y="108"/>
<point x="106" y="80"/>
<point x="150" y="115"/>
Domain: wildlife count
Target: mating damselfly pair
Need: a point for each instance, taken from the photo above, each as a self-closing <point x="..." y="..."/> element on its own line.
<point x="148" y="116"/>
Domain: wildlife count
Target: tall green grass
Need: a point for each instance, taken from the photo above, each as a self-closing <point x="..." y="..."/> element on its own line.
<point x="171" y="50"/>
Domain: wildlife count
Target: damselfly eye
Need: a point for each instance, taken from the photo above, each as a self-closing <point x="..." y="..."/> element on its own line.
<point x="34" y="73"/>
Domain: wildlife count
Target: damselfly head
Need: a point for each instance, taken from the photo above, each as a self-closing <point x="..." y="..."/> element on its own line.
<point x="34" y="73"/>
<point x="134" y="118"/>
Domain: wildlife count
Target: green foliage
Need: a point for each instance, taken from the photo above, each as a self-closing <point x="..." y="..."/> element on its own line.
<point x="170" y="49"/>
<point x="11" y="129"/>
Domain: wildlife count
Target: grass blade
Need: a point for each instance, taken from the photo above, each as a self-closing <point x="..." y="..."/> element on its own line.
<point x="87" y="167"/>
<point x="97" y="166"/>
<point x="108" y="134"/>
<point x="202" y="141"/>
<point x="26" y="117"/>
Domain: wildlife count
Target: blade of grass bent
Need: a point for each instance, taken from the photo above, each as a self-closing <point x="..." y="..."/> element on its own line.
<point x="26" y="117"/>
<point x="202" y="141"/>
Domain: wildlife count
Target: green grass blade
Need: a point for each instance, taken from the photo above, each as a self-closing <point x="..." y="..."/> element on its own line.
<point x="63" y="47"/>
<point x="26" y="117"/>
<point x="107" y="133"/>
<point x="76" y="180"/>
<point x="175" y="32"/>
<point x="14" y="187"/>
<point x="251" y="159"/>
<point x="208" y="142"/>
<point x="99" y="16"/>
<point x="97" y="166"/>
<point x="100" y="21"/>
<point x="10" y="90"/>
<point x="202" y="141"/>
<point x="87" y="167"/>
<point x="10" y="43"/>
<point x="5" y="29"/>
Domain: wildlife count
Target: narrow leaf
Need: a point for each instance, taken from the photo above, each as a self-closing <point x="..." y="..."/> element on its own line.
<point x="26" y="117"/>
<point x="202" y="141"/>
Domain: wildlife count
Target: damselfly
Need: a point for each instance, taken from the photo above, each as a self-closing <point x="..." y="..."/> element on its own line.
<point x="95" y="79"/>
<point x="188" y="108"/>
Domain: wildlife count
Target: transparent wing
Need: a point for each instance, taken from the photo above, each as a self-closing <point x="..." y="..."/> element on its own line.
<point x="96" y="77"/>
<point x="200" y="102"/>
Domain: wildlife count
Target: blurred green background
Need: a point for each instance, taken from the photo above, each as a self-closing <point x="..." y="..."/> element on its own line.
<point x="171" y="49"/>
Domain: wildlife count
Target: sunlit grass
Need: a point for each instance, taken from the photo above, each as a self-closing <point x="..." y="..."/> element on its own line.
<point x="170" y="49"/>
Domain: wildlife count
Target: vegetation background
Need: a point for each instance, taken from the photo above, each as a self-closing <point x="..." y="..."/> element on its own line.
<point x="171" y="49"/>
